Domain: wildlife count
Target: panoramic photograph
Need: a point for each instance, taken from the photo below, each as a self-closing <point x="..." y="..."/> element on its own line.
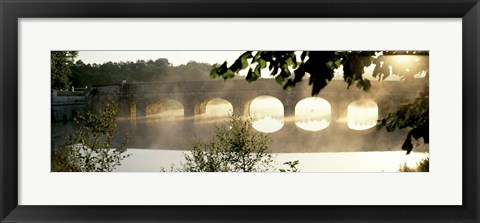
<point x="240" y="111"/>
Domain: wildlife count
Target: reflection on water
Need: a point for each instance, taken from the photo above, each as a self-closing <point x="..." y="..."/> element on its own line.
<point x="218" y="107"/>
<point x="313" y="125"/>
<point x="153" y="160"/>
<point x="267" y="124"/>
<point x="168" y="109"/>
<point x="267" y="113"/>
<point x="362" y="114"/>
<point x="313" y="114"/>
<point x="167" y="130"/>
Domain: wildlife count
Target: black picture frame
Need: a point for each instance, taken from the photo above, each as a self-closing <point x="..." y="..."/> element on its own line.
<point x="11" y="11"/>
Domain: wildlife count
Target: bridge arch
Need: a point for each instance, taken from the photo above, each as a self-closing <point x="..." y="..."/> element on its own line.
<point x="129" y="108"/>
<point x="267" y="113"/>
<point x="362" y="114"/>
<point x="214" y="107"/>
<point x="165" y="108"/>
<point x="313" y="114"/>
<point x="218" y="107"/>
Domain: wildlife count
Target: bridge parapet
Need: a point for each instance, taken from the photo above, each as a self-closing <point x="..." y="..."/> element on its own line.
<point x="261" y="84"/>
<point x="135" y="98"/>
<point x="194" y="95"/>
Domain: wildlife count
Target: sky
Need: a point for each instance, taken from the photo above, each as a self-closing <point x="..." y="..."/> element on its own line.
<point x="174" y="57"/>
<point x="183" y="57"/>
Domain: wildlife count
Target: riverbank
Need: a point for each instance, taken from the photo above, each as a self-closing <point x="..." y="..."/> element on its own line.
<point x="147" y="160"/>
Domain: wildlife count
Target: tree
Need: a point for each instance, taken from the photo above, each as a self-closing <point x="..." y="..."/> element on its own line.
<point x="89" y="147"/>
<point x="233" y="147"/>
<point x="292" y="166"/>
<point x="422" y="166"/>
<point x="61" y="63"/>
<point x="139" y="71"/>
<point x="413" y="115"/>
<point x="320" y="65"/>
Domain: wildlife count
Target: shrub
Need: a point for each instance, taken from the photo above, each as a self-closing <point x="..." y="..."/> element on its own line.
<point x="234" y="146"/>
<point x="88" y="148"/>
<point x="292" y="166"/>
<point x="422" y="166"/>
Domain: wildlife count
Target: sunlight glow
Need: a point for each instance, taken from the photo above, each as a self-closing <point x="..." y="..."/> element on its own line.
<point x="218" y="107"/>
<point x="313" y="114"/>
<point x="267" y="124"/>
<point x="166" y="109"/>
<point x="151" y="160"/>
<point x="406" y="63"/>
<point x="267" y="113"/>
<point x="362" y="114"/>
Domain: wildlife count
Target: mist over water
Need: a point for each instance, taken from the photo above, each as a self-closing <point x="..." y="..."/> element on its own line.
<point x="267" y="113"/>
<point x="218" y="107"/>
<point x="311" y="129"/>
<point x="327" y="133"/>
<point x="362" y="114"/>
<point x="154" y="160"/>
<point x="313" y="114"/>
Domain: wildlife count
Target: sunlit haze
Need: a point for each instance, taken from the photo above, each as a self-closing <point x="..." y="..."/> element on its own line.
<point x="313" y="114"/>
<point x="362" y="114"/>
<point x="174" y="57"/>
<point x="165" y="107"/>
<point x="267" y="112"/>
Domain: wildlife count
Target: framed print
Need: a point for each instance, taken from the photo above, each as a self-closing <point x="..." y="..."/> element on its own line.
<point x="127" y="43"/>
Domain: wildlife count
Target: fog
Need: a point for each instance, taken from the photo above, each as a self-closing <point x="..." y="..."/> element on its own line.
<point x="311" y="129"/>
<point x="143" y="160"/>
<point x="314" y="127"/>
<point x="313" y="114"/>
<point x="318" y="125"/>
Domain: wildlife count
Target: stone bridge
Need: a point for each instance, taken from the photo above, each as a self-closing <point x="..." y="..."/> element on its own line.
<point x="136" y="98"/>
<point x="137" y="101"/>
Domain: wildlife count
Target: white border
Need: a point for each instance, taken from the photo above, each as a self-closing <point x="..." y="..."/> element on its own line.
<point x="442" y="186"/>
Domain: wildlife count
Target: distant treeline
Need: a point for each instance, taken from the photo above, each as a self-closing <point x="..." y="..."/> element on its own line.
<point x="139" y="71"/>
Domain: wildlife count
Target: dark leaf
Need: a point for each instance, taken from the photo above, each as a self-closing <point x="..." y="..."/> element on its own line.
<point x="407" y="145"/>
<point x="279" y="79"/>
<point x="213" y="73"/>
<point x="262" y="63"/>
<point x="249" y="77"/>
<point x="289" y="85"/>
<point x="304" y="55"/>
<point x="244" y="59"/>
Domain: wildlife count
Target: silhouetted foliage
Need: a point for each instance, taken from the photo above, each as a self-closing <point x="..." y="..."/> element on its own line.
<point x="139" y="71"/>
<point x="422" y="166"/>
<point x="61" y="63"/>
<point x="292" y="166"/>
<point x="233" y="147"/>
<point x="89" y="148"/>
<point x="414" y="116"/>
<point x="320" y="65"/>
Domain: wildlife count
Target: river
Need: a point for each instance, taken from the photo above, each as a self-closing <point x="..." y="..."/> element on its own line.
<point x="321" y="144"/>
